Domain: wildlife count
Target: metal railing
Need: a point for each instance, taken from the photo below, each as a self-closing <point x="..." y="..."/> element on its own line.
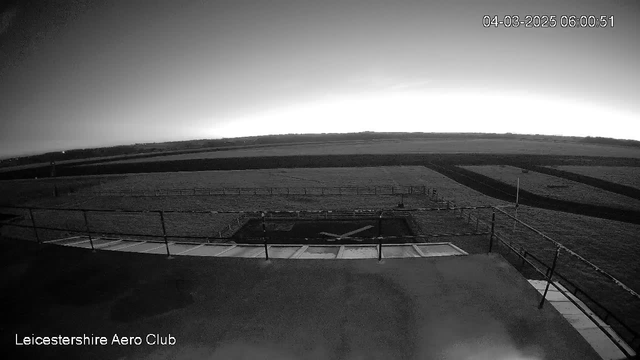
<point x="630" y="335"/>
<point x="30" y="221"/>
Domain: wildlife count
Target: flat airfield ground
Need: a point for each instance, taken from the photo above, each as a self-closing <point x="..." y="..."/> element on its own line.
<point x="555" y="187"/>
<point x="623" y="175"/>
<point x="430" y="146"/>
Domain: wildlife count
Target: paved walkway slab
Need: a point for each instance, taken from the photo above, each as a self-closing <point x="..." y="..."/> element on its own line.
<point x="577" y="317"/>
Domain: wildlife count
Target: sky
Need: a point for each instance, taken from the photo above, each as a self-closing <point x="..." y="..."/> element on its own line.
<point x="87" y="73"/>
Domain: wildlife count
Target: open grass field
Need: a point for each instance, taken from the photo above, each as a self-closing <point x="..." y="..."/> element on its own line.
<point x="296" y="178"/>
<point x="555" y="187"/>
<point x="623" y="175"/>
<point x="489" y="146"/>
<point x="207" y="225"/>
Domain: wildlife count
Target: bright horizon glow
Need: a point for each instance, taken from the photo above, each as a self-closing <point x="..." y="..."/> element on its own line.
<point x="429" y="111"/>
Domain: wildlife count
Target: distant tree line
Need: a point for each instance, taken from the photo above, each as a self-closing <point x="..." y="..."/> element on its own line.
<point x="609" y="141"/>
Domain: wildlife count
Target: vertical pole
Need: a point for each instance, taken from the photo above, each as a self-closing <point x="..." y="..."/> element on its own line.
<point x="380" y="237"/>
<point x="33" y="224"/>
<point x="493" y="223"/>
<point x="553" y="266"/>
<point x="515" y="221"/>
<point x="264" y="237"/>
<point x="86" y="226"/>
<point x="164" y="233"/>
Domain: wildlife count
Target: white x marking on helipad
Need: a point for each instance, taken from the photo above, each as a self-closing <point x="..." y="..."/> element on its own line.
<point x="347" y="234"/>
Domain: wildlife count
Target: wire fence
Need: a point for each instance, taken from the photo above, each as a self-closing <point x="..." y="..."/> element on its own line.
<point x="257" y="191"/>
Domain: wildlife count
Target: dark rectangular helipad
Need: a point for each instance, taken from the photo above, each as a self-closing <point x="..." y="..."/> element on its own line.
<point x="324" y="231"/>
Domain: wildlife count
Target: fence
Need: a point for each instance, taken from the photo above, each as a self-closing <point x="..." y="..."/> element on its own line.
<point x="212" y="226"/>
<point x="262" y="191"/>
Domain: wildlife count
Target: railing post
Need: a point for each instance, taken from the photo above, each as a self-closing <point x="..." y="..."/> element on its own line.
<point x="33" y="224"/>
<point x="86" y="226"/>
<point x="264" y="237"/>
<point x="549" y="278"/>
<point x="164" y="234"/>
<point x="493" y="223"/>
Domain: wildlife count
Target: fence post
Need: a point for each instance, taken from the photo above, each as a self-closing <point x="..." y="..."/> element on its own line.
<point x="86" y="226"/>
<point x="553" y="266"/>
<point x="33" y="224"/>
<point x="493" y="223"/>
<point x="380" y="237"/>
<point x="164" y="234"/>
<point x="264" y="237"/>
